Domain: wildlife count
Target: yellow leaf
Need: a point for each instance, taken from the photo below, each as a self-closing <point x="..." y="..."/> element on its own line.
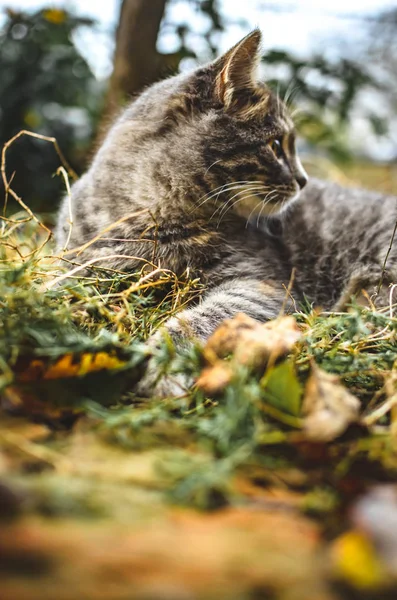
<point x="64" y="367"/>
<point x="67" y="366"/>
<point x="356" y="561"/>
<point x="98" y="362"/>
<point x="71" y="366"/>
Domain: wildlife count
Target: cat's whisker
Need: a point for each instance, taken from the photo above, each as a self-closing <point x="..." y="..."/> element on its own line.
<point x="260" y="213"/>
<point x="217" y="195"/>
<point x="268" y="198"/>
<point x="249" y="191"/>
<point x="278" y="99"/>
<point x="291" y="90"/>
<point x="213" y="164"/>
<point x="252" y="211"/>
<point x="225" y="206"/>
<point x="297" y="111"/>
<point x="242" y="189"/>
<point x="222" y="189"/>
<point x="224" y="185"/>
<point x="251" y="186"/>
<point x="264" y="202"/>
<point x="288" y="89"/>
<point x="228" y="208"/>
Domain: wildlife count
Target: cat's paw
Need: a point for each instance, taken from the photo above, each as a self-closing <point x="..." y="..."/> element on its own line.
<point x="164" y="386"/>
<point x="157" y="383"/>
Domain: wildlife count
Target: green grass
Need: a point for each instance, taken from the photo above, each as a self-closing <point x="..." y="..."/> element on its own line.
<point x="77" y="349"/>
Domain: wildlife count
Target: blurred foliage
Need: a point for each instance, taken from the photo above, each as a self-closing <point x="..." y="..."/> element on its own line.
<point x="216" y="23"/>
<point x="325" y="91"/>
<point x="383" y="37"/>
<point x="382" y="52"/>
<point x="47" y="87"/>
<point x="326" y="94"/>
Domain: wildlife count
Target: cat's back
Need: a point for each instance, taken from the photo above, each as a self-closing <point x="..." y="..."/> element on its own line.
<point x="331" y="206"/>
<point x="335" y="214"/>
<point x="333" y="231"/>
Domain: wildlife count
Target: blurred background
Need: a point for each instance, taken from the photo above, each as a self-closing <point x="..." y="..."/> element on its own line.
<point x="66" y="68"/>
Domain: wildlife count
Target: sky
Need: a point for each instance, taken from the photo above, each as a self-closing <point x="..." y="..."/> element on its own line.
<point x="298" y="25"/>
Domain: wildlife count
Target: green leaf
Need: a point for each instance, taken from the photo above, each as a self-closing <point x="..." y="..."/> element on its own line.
<point x="282" y="388"/>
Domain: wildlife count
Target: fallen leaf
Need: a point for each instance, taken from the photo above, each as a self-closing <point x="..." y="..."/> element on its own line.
<point x="214" y="379"/>
<point x="44" y="387"/>
<point x="253" y="344"/>
<point x="71" y="366"/>
<point x="328" y="407"/>
<point x="356" y="561"/>
<point x="282" y="388"/>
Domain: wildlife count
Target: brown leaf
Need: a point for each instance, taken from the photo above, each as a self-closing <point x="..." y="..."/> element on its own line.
<point x="328" y="407"/>
<point x="253" y="344"/>
<point x="214" y="379"/>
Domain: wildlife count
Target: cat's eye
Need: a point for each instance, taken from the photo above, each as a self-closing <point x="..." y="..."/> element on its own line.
<point x="277" y="147"/>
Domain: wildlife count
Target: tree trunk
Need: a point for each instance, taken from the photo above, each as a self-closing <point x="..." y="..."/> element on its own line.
<point x="136" y="61"/>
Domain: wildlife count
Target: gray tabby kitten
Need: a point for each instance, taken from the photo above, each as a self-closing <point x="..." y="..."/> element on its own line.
<point x="182" y="160"/>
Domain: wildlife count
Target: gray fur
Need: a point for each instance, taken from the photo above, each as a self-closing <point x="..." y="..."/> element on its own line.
<point x="173" y="161"/>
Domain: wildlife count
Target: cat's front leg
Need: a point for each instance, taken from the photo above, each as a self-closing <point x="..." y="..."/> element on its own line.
<point x="260" y="300"/>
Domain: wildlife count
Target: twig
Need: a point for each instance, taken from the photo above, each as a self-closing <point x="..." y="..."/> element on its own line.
<point x="380" y="411"/>
<point x="61" y="171"/>
<point x="393" y="287"/>
<point x="11" y="192"/>
<point x="88" y="264"/>
<point x="38" y="136"/>
<point x="288" y="293"/>
<point x="81" y="249"/>
<point x="386" y="258"/>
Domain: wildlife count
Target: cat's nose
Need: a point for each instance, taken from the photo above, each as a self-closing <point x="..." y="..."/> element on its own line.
<point x="301" y="180"/>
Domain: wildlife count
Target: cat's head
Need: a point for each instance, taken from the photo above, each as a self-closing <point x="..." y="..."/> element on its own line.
<point x="229" y="138"/>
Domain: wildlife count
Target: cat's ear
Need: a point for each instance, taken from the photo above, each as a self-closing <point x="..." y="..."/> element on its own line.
<point x="237" y="68"/>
